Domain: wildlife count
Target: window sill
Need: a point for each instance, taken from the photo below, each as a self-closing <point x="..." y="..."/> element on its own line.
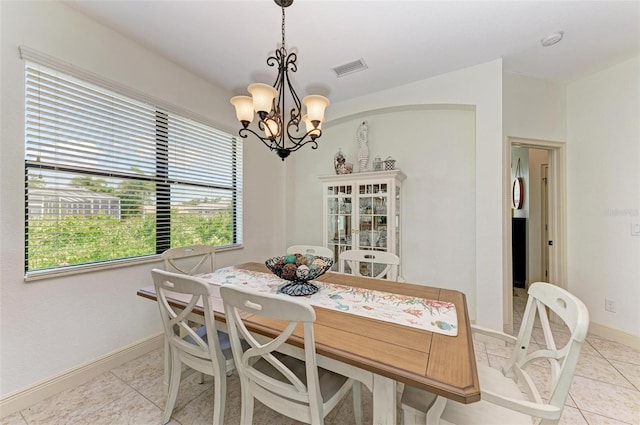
<point x="115" y="264"/>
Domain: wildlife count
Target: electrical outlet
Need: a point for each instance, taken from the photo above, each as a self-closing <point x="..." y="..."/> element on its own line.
<point x="610" y="305"/>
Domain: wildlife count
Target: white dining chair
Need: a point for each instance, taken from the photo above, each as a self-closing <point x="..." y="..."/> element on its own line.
<point x="294" y="388"/>
<point x="321" y="251"/>
<point x="203" y="349"/>
<point x="190" y="260"/>
<point x="541" y="401"/>
<point x="379" y="264"/>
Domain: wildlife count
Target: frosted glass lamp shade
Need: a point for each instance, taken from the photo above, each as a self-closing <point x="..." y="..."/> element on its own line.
<point x="313" y="132"/>
<point x="263" y="95"/>
<point x="244" y="108"/>
<point x="271" y="128"/>
<point x="316" y="105"/>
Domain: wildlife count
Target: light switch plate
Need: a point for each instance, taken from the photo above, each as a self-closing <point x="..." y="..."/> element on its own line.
<point x="635" y="229"/>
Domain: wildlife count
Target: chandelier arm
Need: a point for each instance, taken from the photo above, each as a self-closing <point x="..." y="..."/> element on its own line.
<point x="296" y="145"/>
<point x="295" y="124"/>
<point x="290" y="61"/>
<point x="279" y="101"/>
<point x="266" y="140"/>
<point x="296" y="112"/>
<point x="282" y="73"/>
<point x="276" y="60"/>
<point x="299" y="142"/>
<point x="275" y="124"/>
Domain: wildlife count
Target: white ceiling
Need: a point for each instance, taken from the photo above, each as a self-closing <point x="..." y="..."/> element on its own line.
<point x="227" y="42"/>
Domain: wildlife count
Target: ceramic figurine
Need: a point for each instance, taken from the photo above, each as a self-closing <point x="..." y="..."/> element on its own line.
<point x="377" y="164"/>
<point x="363" y="153"/>
<point x="339" y="161"/>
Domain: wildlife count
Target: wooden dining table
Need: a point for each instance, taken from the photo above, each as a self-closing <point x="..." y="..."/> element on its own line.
<point x="379" y="353"/>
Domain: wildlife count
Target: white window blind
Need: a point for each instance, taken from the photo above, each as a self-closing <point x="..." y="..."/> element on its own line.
<point x="108" y="177"/>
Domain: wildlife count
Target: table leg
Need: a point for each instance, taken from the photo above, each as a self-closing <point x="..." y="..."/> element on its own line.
<point x="384" y="400"/>
<point x="434" y="413"/>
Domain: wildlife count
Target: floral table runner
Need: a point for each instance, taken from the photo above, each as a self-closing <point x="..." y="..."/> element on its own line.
<point x="431" y="315"/>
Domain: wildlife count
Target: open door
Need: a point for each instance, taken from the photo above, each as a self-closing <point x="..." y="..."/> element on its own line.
<point x="553" y="231"/>
<point x="544" y="209"/>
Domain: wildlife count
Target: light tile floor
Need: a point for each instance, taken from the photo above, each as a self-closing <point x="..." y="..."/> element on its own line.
<point x="605" y="390"/>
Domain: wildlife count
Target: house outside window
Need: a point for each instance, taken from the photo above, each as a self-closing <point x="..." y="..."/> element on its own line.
<point x="109" y="177"/>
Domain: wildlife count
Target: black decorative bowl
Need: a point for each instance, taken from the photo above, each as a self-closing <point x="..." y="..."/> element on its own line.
<point x="299" y="269"/>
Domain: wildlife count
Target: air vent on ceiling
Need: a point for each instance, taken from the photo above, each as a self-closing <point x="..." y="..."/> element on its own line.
<point x="349" y="68"/>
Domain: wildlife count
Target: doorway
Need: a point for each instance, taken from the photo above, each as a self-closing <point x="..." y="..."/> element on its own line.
<point x="544" y="222"/>
<point x="546" y="202"/>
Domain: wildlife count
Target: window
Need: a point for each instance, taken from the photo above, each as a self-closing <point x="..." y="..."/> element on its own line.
<point x="109" y="177"/>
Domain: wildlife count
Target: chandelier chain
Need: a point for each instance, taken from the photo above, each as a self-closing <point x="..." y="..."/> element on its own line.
<point x="283" y="27"/>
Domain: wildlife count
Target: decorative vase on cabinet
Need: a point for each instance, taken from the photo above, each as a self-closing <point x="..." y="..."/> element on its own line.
<point x="362" y="211"/>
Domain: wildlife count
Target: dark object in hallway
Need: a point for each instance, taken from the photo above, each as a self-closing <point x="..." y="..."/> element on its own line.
<point x="519" y="251"/>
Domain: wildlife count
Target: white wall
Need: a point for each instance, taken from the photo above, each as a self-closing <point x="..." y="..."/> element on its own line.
<point x="603" y="191"/>
<point x="479" y="87"/>
<point x="52" y="325"/>
<point x="438" y="198"/>
<point x="601" y="115"/>
<point x="40" y="330"/>
<point x="533" y="108"/>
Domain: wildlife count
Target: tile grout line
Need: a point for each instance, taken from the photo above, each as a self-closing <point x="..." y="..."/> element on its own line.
<point x="142" y="395"/>
<point x="608" y="360"/>
<point x="623" y="375"/>
<point x="601" y="355"/>
<point x="602" y="416"/>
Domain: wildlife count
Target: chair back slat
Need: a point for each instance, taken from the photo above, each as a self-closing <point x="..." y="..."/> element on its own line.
<point x="278" y="386"/>
<point x="379" y="264"/>
<point x="175" y="321"/>
<point x="561" y="357"/>
<point x="190" y="260"/>
<point x="321" y="251"/>
<point x="541" y="366"/>
<point x="201" y="348"/>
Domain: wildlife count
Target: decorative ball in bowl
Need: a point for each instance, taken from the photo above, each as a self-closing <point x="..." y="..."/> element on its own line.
<point x="299" y="269"/>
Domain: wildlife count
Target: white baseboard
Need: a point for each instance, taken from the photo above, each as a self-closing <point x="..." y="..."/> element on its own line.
<point x="71" y="378"/>
<point x="613" y="334"/>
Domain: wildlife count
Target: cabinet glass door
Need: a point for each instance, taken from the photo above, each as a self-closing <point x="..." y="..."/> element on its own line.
<point x="372" y="214"/>
<point x="340" y="219"/>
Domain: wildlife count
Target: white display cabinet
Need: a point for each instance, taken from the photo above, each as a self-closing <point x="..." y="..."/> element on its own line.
<point x="362" y="211"/>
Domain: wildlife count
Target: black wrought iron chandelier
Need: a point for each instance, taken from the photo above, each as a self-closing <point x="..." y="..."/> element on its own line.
<point x="281" y="133"/>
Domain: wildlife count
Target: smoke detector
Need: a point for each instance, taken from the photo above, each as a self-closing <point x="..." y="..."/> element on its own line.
<point x="552" y="39"/>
